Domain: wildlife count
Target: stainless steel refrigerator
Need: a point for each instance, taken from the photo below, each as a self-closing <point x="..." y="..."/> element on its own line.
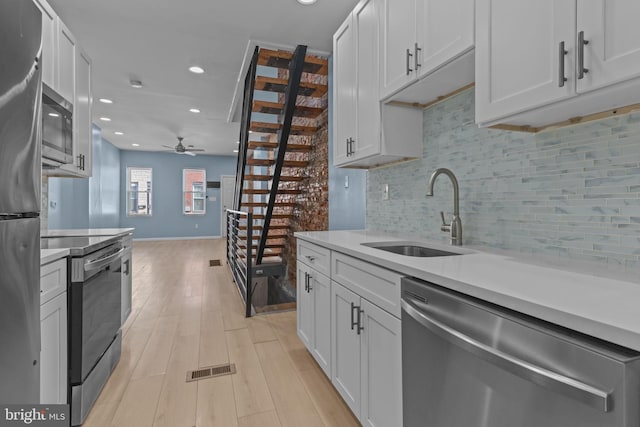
<point x="20" y="129"/>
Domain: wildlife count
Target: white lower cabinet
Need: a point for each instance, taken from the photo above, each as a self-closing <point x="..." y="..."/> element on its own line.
<point x="349" y="320"/>
<point x="53" y="333"/>
<point x="367" y="358"/>
<point x="314" y="311"/>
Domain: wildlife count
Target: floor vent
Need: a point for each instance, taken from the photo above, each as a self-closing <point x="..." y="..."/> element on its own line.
<point x="211" y="371"/>
<point x="214" y="263"/>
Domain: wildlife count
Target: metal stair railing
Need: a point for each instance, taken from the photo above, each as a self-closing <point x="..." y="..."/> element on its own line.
<point x="291" y="94"/>
<point x="240" y="254"/>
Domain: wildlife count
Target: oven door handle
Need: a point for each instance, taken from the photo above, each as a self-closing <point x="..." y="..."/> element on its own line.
<point x="578" y="390"/>
<point x="101" y="262"/>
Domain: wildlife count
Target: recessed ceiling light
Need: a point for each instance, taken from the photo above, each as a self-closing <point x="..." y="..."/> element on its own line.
<point x="135" y="145"/>
<point x="135" y="83"/>
<point x="250" y="131"/>
<point x="196" y="70"/>
<point x="105" y="119"/>
<point x="118" y="133"/>
<point x="106" y="101"/>
<point x="235" y="151"/>
<point x="306" y="2"/>
<point x="237" y="142"/>
<point x="54" y="114"/>
<point x="194" y="110"/>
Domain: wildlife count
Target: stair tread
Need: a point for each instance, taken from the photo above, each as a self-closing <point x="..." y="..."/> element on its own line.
<point x="264" y="204"/>
<point x="278" y="108"/>
<point x="271" y="162"/>
<point x="273" y="216"/>
<point x="266" y="127"/>
<point x="265" y="191"/>
<point x="274" y="145"/>
<point x="274" y="84"/>
<point x="281" y="58"/>
<point x="271" y="227"/>
<point x="285" y="178"/>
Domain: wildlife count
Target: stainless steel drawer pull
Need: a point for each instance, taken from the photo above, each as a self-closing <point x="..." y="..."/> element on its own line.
<point x="409" y="55"/>
<point x="561" y="54"/>
<point x="581" y="43"/>
<point x="570" y="387"/>
<point x="310" y="258"/>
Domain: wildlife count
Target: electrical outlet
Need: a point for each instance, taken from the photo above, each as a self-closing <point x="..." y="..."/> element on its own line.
<point x="385" y="192"/>
<point x="346" y="181"/>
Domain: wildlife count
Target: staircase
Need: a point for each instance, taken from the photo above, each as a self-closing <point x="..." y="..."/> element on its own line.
<point x="284" y="94"/>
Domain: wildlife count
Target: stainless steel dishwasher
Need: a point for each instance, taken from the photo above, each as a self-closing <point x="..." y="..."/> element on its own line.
<point x="468" y="363"/>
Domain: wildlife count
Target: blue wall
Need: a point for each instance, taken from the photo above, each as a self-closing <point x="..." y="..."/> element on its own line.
<point x="347" y="206"/>
<point x="88" y="202"/>
<point x="167" y="219"/>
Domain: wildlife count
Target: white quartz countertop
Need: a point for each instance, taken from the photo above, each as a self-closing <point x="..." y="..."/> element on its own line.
<point x="50" y="255"/>
<point x="598" y="303"/>
<point x="90" y="232"/>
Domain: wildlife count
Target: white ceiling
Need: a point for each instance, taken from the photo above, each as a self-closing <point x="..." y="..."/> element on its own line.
<point x="156" y="41"/>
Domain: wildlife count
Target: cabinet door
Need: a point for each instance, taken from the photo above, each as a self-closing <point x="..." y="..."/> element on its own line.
<point x="321" y="345"/>
<point x="66" y="62"/>
<point x="82" y="113"/>
<point x="304" y="307"/>
<point x="49" y="39"/>
<point x="613" y="33"/>
<point x="398" y="45"/>
<point x="344" y="86"/>
<point x="366" y="25"/>
<point x="345" y="360"/>
<point x="53" y="352"/>
<point x="518" y="59"/>
<point x="445" y="31"/>
<point x="381" y="368"/>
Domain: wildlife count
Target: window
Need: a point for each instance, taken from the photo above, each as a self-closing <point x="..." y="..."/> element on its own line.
<point x="193" y="191"/>
<point x="138" y="191"/>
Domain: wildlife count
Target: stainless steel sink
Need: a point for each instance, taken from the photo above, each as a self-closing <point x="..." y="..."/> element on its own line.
<point x="410" y="249"/>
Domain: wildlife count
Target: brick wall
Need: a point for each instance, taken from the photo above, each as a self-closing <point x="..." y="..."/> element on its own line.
<point x="573" y="192"/>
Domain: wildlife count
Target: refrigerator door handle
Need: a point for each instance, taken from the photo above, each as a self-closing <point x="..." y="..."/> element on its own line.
<point x="570" y="387"/>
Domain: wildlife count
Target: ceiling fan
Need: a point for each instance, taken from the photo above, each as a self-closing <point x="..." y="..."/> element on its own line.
<point x="181" y="149"/>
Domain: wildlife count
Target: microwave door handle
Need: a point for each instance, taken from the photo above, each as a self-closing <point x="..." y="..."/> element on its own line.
<point x="578" y="390"/>
<point x="101" y="262"/>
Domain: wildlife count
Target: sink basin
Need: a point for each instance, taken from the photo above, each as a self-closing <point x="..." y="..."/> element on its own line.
<point x="409" y="249"/>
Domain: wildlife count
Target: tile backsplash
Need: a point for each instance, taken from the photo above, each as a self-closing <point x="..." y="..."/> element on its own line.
<point x="572" y="192"/>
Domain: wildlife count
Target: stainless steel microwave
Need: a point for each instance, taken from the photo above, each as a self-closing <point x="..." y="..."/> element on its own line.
<point x="57" y="129"/>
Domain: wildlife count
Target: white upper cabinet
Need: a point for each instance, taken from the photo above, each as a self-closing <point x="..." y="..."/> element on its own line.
<point x="540" y="63"/>
<point x="420" y="37"/>
<point x="399" y="40"/>
<point x="367" y="134"/>
<point x="66" y="62"/>
<point x="613" y="35"/>
<point x="49" y="41"/>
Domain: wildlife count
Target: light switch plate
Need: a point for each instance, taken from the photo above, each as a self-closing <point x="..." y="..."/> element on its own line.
<point x="346" y="181"/>
<point x="385" y="192"/>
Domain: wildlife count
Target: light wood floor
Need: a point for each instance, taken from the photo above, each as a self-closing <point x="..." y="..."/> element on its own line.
<point x="188" y="315"/>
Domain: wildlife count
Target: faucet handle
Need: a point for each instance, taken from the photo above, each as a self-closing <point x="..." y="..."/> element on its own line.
<point x="445" y="227"/>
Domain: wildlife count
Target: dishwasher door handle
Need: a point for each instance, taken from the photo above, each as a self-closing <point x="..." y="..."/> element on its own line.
<point x="101" y="262"/>
<point x="578" y="390"/>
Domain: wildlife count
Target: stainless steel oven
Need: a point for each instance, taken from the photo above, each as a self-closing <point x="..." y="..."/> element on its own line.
<point x="94" y="325"/>
<point x="466" y="362"/>
<point x="57" y="129"/>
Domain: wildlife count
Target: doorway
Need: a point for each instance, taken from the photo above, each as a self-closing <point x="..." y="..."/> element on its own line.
<point x="227" y="188"/>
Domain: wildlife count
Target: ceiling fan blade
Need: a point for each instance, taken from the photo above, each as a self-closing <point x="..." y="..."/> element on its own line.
<point x="194" y="149"/>
<point x="189" y="153"/>
<point x="167" y="146"/>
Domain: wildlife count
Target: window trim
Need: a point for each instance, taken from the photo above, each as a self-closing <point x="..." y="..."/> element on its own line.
<point x="149" y="192"/>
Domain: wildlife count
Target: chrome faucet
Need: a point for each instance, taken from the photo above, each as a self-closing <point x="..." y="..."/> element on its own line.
<point x="455" y="227"/>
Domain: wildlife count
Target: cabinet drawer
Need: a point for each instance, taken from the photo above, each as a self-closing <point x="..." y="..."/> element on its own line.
<point x="314" y="256"/>
<point x="53" y="279"/>
<point x="378" y="285"/>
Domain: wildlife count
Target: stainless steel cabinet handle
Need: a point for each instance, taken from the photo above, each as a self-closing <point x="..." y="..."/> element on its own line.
<point x="409" y="55"/>
<point x="101" y="262"/>
<point x="306" y="281"/>
<point x="360" y="327"/>
<point x="309" y="279"/>
<point x="416" y="49"/>
<point x="347" y="141"/>
<point x="561" y="54"/>
<point x="575" y="389"/>
<point x="581" y="43"/>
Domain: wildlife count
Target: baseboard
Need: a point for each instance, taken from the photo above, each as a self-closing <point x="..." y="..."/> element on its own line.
<point x="153" y="239"/>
